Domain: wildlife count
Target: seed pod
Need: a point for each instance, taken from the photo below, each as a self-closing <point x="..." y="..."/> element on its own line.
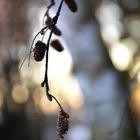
<point x="57" y="45"/>
<point x="39" y="51"/>
<point x="72" y="5"/>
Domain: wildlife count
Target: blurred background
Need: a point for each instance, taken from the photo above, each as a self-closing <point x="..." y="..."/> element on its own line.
<point x="96" y="78"/>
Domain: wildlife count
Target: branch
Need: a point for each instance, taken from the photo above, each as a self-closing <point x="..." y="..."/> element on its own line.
<point x="54" y="22"/>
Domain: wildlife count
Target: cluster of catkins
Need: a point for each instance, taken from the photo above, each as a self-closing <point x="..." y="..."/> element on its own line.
<point x="42" y="48"/>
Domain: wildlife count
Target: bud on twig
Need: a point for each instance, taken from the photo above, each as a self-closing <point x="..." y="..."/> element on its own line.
<point x="72" y="5"/>
<point x="57" y="45"/>
<point x="57" y="31"/>
<point x="48" y="20"/>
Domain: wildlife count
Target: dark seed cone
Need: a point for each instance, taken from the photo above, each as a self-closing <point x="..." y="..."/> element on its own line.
<point x="39" y="51"/>
<point x="62" y="124"/>
<point x="57" y="45"/>
<point x="72" y="5"/>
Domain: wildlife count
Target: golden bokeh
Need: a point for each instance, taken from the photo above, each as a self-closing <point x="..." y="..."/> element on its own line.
<point x="134" y="102"/>
<point x="20" y="93"/>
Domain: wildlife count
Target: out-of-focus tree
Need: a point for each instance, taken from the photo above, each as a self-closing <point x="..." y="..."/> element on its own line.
<point x="119" y="27"/>
<point x="14" y="96"/>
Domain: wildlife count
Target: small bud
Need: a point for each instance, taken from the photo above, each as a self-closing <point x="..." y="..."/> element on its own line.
<point x="57" y="31"/>
<point x="49" y="96"/>
<point x="48" y="20"/>
<point x="57" y="45"/>
<point x="72" y="5"/>
<point x="43" y="84"/>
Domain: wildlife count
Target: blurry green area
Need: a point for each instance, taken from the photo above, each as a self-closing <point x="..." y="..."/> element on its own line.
<point x="96" y="78"/>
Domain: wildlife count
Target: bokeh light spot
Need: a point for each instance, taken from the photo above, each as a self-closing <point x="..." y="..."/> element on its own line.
<point x="20" y="94"/>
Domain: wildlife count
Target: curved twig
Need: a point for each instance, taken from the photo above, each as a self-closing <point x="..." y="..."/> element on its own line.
<point x="57" y="102"/>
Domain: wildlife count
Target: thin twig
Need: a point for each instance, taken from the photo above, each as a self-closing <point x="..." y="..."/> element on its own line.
<point x="24" y="59"/>
<point x="57" y="102"/>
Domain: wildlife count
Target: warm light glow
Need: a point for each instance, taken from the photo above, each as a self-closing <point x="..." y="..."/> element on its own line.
<point x="72" y="92"/>
<point x="37" y="96"/>
<point x="134" y="101"/>
<point x="68" y="91"/>
<point x="60" y="64"/>
<point x="62" y="83"/>
<point x="46" y="106"/>
<point x="109" y="15"/>
<point x="121" y="56"/>
<point x="135" y="70"/>
<point x="20" y="94"/>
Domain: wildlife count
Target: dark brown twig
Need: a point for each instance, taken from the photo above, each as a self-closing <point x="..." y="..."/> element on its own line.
<point x="57" y="102"/>
<point x="54" y="22"/>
